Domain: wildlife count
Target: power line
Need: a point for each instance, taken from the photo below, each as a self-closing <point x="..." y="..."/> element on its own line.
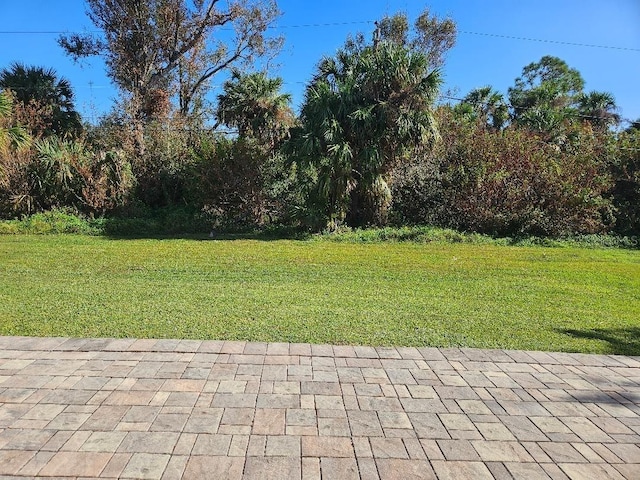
<point x="358" y="22"/>
<point x="331" y="24"/>
<point x="559" y="42"/>
<point x="271" y="27"/>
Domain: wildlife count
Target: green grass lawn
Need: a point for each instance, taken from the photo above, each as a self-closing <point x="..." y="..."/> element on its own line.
<point x="319" y="291"/>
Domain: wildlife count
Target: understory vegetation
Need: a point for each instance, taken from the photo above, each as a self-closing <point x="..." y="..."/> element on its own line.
<point x="373" y="146"/>
<point x="192" y="224"/>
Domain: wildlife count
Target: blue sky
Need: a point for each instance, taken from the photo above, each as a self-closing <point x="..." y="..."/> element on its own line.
<point x="475" y="61"/>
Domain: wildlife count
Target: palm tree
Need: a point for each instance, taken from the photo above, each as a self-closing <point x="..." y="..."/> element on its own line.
<point x="599" y="109"/>
<point x="43" y="87"/>
<point x="10" y="136"/>
<point x="488" y="105"/>
<point x="253" y="104"/>
<point x="634" y="125"/>
<point x="365" y="111"/>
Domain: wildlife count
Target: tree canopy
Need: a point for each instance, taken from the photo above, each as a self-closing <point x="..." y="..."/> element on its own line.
<point x="431" y="35"/>
<point x="160" y="48"/>
<point x="549" y="94"/>
<point x="253" y="103"/>
<point x="11" y="136"/>
<point x="365" y="110"/>
<point x="43" y="88"/>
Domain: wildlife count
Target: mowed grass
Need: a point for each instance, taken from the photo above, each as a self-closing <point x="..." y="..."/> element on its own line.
<point x="319" y="291"/>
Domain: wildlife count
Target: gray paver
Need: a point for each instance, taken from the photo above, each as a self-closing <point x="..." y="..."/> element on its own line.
<point x="167" y="409"/>
<point x="501" y="451"/>
<point x="216" y="445"/>
<point x="364" y="424"/>
<point x="149" y="442"/>
<point x="528" y="471"/>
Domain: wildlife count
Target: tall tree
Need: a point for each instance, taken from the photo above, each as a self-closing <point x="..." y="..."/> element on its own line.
<point x="246" y="178"/>
<point x="544" y="96"/>
<point x="598" y="108"/>
<point x="365" y="111"/>
<point x="549" y="97"/>
<point x="158" y="49"/>
<point x="486" y="104"/>
<point x="431" y="35"/>
<point x="43" y="88"/>
<point x="254" y="105"/>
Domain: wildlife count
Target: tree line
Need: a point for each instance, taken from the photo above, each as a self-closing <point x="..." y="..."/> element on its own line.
<point x="374" y="143"/>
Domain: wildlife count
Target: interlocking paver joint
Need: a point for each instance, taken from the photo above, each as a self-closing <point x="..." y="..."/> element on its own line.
<point x="161" y="409"/>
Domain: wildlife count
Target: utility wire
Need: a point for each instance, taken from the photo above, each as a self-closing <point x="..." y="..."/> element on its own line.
<point x="559" y="42"/>
<point x="271" y="27"/>
<point x="359" y="22"/>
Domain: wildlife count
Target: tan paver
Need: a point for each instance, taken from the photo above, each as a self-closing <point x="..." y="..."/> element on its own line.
<point x="388" y="448"/>
<point x="116" y="465"/>
<point x="339" y="468"/>
<point x="83" y="464"/>
<point x="283" y="446"/>
<point x="457" y="470"/>
<point x="146" y="466"/>
<point x="273" y="468"/>
<point x="226" y="468"/>
<point x="338" y="447"/>
<point x="170" y="409"/>
<point x="11" y="461"/>
<point x="269" y="421"/>
<point x="394" y="469"/>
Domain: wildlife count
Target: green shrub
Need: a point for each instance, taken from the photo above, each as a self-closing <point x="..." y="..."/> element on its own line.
<point x="240" y="185"/>
<point x="169" y="221"/>
<point x="63" y="174"/>
<point x="509" y="183"/>
<point x="51" y="222"/>
<point x="427" y="234"/>
<point x="625" y="193"/>
<point x="175" y="221"/>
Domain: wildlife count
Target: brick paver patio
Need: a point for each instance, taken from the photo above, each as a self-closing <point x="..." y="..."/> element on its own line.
<point x="162" y="409"/>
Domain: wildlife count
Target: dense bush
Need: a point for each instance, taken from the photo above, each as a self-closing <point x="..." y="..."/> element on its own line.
<point x="508" y="182"/>
<point x="626" y="190"/>
<point x="239" y="184"/>
<point x="418" y="194"/>
<point x="56" y="173"/>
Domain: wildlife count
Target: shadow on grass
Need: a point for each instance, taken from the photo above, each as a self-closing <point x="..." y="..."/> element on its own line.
<point x="621" y="341"/>
<point x="137" y="229"/>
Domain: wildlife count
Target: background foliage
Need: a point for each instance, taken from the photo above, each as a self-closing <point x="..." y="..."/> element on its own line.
<point x="371" y="146"/>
